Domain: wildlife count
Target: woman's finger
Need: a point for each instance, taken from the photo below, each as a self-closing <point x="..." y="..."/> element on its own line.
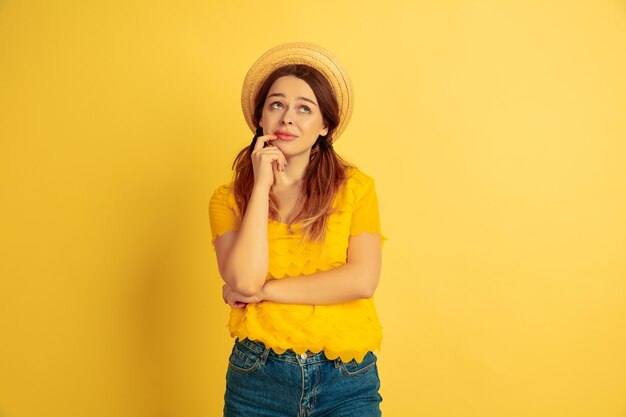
<point x="271" y="151"/>
<point x="261" y="140"/>
<point x="276" y="157"/>
<point x="280" y="162"/>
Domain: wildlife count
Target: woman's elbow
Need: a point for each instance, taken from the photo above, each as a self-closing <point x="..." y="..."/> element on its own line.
<point x="247" y="288"/>
<point x="369" y="286"/>
<point x="368" y="292"/>
<point x="243" y="283"/>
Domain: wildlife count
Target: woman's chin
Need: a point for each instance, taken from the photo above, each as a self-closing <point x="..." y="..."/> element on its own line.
<point x="292" y="151"/>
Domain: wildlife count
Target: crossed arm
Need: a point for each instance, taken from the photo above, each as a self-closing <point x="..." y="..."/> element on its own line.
<point x="357" y="278"/>
<point x="243" y="261"/>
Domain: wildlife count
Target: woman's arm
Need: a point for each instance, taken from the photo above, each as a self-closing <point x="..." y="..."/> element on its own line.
<point x="243" y="256"/>
<point x="358" y="278"/>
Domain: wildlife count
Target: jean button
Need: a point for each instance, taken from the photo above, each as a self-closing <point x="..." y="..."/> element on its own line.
<point x="303" y="355"/>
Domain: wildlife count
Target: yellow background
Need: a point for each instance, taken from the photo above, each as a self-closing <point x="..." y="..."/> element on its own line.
<point x="496" y="133"/>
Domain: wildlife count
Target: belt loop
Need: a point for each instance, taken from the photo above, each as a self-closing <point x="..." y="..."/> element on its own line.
<point x="264" y="355"/>
<point x="337" y="362"/>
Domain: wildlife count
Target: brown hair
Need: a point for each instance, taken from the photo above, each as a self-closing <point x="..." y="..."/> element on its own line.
<point x="324" y="175"/>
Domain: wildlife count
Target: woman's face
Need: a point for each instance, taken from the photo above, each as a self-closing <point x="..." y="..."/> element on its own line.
<point x="291" y="112"/>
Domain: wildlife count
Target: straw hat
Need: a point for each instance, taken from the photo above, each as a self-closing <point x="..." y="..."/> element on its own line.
<point x="300" y="53"/>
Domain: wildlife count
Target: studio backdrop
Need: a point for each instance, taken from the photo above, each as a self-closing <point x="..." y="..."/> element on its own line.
<point x="496" y="135"/>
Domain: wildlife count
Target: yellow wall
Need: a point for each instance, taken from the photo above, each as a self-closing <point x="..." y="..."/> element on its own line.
<point x="495" y="132"/>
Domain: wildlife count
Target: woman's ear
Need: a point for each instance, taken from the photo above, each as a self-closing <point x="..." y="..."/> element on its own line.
<point x="324" y="130"/>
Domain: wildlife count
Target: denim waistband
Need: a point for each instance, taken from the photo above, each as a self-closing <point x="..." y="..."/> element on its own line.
<point x="289" y="355"/>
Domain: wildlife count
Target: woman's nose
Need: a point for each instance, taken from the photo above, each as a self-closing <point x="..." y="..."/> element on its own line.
<point x="286" y="119"/>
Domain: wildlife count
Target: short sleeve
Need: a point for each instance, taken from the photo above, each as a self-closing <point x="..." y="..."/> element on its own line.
<point x="222" y="212"/>
<point x="365" y="216"/>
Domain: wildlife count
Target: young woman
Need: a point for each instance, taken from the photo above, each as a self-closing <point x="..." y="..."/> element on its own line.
<point x="298" y="245"/>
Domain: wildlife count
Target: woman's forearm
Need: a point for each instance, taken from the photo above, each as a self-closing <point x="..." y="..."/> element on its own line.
<point x="248" y="262"/>
<point x="345" y="283"/>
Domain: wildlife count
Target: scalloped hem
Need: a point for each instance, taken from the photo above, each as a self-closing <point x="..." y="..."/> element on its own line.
<point x="370" y="231"/>
<point x="218" y="234"/>
<point x="346" y="355"/>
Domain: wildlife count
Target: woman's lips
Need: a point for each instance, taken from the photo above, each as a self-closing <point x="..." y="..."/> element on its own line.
<point x="285" y="136"/>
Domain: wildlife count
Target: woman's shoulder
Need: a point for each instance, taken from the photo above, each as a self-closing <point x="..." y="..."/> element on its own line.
<point x="228" y="186"/>
<point x="224" y="193"/>
<point x="357" y="179"/>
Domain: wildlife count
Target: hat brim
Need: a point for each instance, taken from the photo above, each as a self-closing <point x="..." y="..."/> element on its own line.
<point x="299" y="53"/>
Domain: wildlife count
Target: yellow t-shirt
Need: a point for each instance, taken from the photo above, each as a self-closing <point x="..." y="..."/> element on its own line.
<point x="347" y="330"/>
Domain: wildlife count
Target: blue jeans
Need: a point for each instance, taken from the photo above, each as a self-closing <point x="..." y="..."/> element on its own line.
<point x="262" y="383"/>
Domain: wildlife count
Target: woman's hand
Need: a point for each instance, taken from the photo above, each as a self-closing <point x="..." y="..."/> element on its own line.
<point x="265" y="160"/>
<point x="236" y="300"/>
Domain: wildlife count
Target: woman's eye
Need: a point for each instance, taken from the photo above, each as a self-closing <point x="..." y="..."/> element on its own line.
<point x="276" y="105"/>
<point x="305" y="109"/>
